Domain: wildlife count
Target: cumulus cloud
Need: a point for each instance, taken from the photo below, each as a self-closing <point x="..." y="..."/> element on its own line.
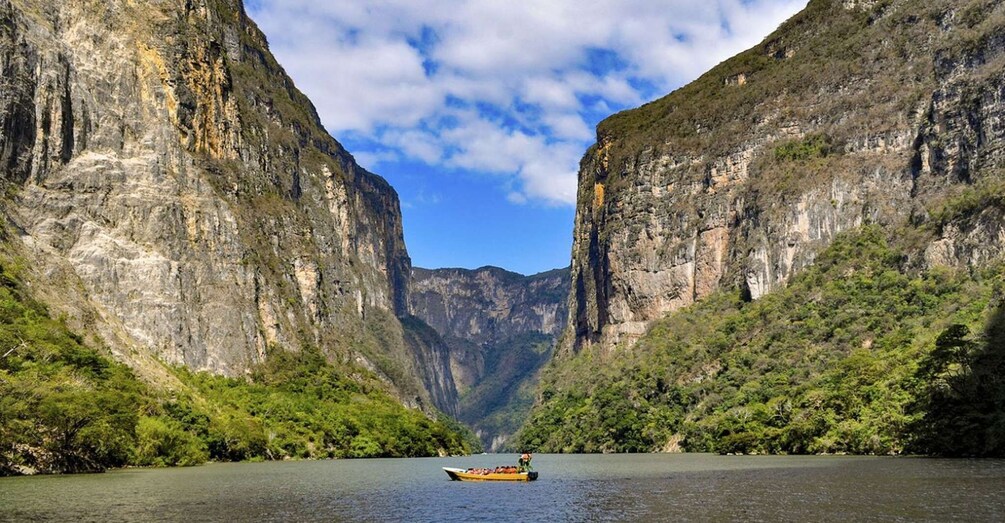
<point x="418" y="144"/>
<point x="372" y="160"/>
<point x="510" y="89"/>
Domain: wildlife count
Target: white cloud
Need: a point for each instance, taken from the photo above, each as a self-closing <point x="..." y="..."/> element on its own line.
<point x="487" y="146"/>
<point x="569" y="126"/>
<point x="517" y="198"/>
<point x="416" y="144"/>
<point x="500" y="86"/>
<point x="357" y="87"/>
<point x="550" y="93"/>
<point x="370" y="160"/>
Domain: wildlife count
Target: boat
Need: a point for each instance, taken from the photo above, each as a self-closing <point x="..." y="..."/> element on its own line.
<point x="483" y="475"/>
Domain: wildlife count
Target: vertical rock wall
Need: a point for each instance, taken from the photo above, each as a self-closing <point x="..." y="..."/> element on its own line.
<point x="498" y="329"/>
<point x="849" y="113"/>
<point x="156" y="155"/>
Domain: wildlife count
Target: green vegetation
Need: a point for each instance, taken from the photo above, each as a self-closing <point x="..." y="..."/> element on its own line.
<point x="297" y="405"/>
<point x="963" y="396"/>
<point x="970" y="200"/>
<point x="841" y="360"/>
<point x="813" y="146"/>
<point x="502" y="401"/>
<point x="64" y="407"/>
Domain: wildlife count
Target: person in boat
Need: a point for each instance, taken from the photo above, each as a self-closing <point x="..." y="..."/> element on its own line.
<point x="523" y="464"/>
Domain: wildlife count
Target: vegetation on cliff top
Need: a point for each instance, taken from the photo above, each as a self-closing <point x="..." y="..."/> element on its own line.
<point x="835" y="68"/>
<point x="854" y="356"/>
<point x="64" y="407"/>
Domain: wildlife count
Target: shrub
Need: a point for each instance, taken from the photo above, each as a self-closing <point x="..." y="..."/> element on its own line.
<point x="164" y="442"/>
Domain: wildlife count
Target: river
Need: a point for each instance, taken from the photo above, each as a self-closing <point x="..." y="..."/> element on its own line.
<point x="636" y="487"/>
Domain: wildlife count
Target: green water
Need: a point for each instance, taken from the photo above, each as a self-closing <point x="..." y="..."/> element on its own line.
<point x="690" y="487"/>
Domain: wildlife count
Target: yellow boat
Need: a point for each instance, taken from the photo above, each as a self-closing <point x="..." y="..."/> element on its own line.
<point x="464" y="475"/>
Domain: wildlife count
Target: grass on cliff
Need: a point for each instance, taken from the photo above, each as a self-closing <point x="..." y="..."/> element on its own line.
<point x="854" y="356"/>
<point x="65" y="407"/>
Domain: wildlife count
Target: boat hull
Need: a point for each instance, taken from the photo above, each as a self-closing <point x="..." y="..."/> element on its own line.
<point x="463" y="475"/>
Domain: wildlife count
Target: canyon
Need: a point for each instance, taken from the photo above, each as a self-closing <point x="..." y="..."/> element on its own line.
<point x="499" y="329"/>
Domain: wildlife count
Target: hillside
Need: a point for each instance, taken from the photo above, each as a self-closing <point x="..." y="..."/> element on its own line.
<point x="853" y="356"/>
<point x="65" y="406"/>
<point x="176" y="200"/>
<point x="766" y="259"/>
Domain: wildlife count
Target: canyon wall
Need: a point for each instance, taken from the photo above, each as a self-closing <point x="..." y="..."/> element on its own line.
<point x="499" y="328"/>
<point x="850" y="113"/>
<point x="175" y="194"/>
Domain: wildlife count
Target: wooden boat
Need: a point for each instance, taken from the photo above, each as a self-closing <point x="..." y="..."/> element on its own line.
<point x="464" y="475"/>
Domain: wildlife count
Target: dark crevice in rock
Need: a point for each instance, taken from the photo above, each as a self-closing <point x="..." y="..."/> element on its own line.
<point x="66" y="116"/>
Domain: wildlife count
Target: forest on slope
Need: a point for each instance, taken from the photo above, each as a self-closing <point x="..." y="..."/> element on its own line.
<point x="855" y="355"/>
<point x="799" y="252"/>
<point x="66" y="406"/>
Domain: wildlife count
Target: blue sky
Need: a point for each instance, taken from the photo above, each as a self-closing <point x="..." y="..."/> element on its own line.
<point x="478" y="111"/>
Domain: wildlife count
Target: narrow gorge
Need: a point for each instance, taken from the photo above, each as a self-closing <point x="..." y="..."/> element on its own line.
<point x="802" y="251"/>
<point x="500" y="328"/>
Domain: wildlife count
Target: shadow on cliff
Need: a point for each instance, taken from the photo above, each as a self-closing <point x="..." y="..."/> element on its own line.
<point x="962" y="393"/>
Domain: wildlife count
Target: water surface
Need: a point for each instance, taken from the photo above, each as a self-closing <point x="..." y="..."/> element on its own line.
<point x="683" y="487"/>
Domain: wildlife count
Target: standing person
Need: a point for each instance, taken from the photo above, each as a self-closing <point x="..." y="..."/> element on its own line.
<point x="523" y="464"/>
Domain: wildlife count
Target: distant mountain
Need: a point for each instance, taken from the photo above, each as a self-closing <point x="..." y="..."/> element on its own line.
<point x="500" y="328"/>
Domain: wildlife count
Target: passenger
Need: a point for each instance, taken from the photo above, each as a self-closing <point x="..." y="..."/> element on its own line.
<point x="523" y="464"/>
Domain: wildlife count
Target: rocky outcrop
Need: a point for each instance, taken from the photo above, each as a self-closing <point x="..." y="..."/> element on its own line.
<point x="484" y="307"/>
<point x="851" y="112"/>
<point x="159" y="162"/>
<point x="432" y="359"/>
<point x="500" y="328"/>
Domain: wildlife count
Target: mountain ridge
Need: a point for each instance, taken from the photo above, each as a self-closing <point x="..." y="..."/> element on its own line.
<point x="676" y="201"/>
<point x="499" y="328"/>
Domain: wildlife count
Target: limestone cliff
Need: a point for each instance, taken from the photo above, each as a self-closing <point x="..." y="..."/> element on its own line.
<point x="179" y="196"/>
<point x="851" y="112"/>
<point x="499" y="328"/>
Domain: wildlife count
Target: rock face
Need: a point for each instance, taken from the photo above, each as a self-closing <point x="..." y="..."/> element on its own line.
<point x="432" y="359"/>
<point x="851" y="112"/>
<point x="158" y="159"/>
<point x="500" y="328"/>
